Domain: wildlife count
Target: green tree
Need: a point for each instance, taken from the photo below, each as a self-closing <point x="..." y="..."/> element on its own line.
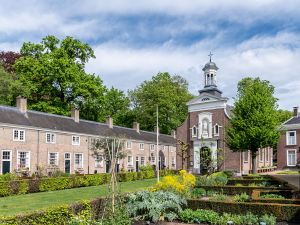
<point x="255" y="119"/>
<point x="170" y="93"/>
<point x="10" y="88"/>
<point x="53" y="71"/>
<point x="284" y="115"/>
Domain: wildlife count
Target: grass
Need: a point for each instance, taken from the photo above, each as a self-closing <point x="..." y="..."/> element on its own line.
<point x="23" y="203"/>
<point x="288" y="172"/>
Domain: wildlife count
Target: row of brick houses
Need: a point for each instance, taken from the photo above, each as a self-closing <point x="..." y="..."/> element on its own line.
<point x="36" y="140"/>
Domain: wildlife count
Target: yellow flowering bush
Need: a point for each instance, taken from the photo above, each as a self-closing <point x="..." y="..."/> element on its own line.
<point x="181" y="184"/>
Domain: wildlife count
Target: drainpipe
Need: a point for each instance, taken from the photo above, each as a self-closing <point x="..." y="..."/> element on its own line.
<point x="38" y="150"/>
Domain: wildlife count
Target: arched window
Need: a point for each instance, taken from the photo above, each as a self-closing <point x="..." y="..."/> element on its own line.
<point x="194" y="131"/>
<point x="216" y="130"/>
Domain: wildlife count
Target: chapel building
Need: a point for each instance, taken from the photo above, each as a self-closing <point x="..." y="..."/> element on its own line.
<point x="205" y="127"/>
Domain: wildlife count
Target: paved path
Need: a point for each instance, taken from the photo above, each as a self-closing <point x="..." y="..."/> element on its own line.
<point x="291" y="179"/>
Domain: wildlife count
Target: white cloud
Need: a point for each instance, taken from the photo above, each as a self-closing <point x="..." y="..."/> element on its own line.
<point x="125" y="67"/>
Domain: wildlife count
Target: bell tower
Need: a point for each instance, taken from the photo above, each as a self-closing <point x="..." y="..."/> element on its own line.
<point x="210" y="80"/>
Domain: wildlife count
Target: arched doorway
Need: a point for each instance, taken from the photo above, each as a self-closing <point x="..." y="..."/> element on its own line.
<point x="205" y="159"/>
<point x="161" y="161"/>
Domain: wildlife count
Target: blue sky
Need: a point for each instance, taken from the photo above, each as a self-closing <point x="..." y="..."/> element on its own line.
<point x="134" y="40"/>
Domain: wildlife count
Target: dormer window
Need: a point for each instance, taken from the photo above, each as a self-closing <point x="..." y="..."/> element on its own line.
<point x="194" y="131"/>
<point x="216" y="130"/>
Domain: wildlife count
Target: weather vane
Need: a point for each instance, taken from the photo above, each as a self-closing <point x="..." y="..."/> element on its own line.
<point x="210" y="55"/>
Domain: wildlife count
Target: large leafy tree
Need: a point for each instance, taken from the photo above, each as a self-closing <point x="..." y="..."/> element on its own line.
<point x="8" y="59"/>
<point x="53" y="71"/>
<point x="255" y="118"/>
<point x="10" y="88"/>
<point x="170" y="93"/>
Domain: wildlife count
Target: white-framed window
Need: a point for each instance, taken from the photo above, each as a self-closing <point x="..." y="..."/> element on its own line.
<point x="50" y="138"/>
<point x="6" y="155"/>
<point x="129" y="144"/>
<point x="141" y="146"/>
<point x="142" y="160"/>
<point x="152" y="158"/>
<point x="99" y="161"/>
<point x="75" y="140"/>
<point x="194" y="131"/>
<point x="291" y="138"/>
<point x="78" y="160"/>
<point x="23" y="159"/>
<point x="129" y="160"/>
<point x="53" y="159"/>
<point x="216" y="130"/>
<point x="173" y="161"/>
<point x="67" y="155"/>
<point x="152" y="147"/>
<point x="291" y="157"/>
<point x="18" y="135"/>
<point x="246" y="156"/>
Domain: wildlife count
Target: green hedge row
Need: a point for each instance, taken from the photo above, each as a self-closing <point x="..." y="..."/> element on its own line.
<point x="16" y="187"/>
<point x="283" y="212"/>
<point x="246" y="182"/>
<point x="54" y="216"/>
<point x="236" y="190"/>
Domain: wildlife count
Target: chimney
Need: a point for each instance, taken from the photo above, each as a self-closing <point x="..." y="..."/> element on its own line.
<point x="75" y="114"/>
<point x="136" y="126"/>
<point x="155" y="129"/>
<point x="295" y="111"/>
<point x="22" y="104"/>
<point x="109" y="121"/>
<point x="173" y="133"/>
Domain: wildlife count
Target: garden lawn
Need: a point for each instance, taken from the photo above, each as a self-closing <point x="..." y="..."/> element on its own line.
<point x="23" y="203"/>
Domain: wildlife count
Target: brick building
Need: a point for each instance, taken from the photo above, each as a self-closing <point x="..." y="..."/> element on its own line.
<point x="288" y="149"/>
<point x="208" y="116"/>
<point x="30" y="139"/>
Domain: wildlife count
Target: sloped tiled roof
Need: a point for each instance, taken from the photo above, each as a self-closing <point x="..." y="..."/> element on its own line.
<point x="294" y="120"/>
<point x="12" y="115"/>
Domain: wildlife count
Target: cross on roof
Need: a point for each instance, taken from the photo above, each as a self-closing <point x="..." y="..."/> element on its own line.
<point x="210" y="55"/>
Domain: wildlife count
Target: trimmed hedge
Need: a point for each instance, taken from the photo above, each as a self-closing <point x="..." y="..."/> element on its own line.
<point x="56" y="215"/>
<point x="24" y="186"/>
<point x="246" y="182"/>
<point x="283" y="212"/>
<point x="236" y="190"/>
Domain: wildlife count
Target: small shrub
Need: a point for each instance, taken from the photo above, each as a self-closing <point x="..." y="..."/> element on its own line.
<point x="198" y="192"/>
<point x="219" y="197"/>
<point x="242" y="198"/>
<point x="268" y="219"/>
<point x="181" y="184"/>
<point x="154" y="206"/>
<point x="215" y="179"/>
<point x="229" y="173"/>
<point x="249" y="219"/>
<point x="275" y="196"/>
<point x="238" y="185"/>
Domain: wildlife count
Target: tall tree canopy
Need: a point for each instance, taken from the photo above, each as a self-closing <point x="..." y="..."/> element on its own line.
<point x="255" y="118"/>
<point x="170" y="93"/>
<point x="53" y="72"/>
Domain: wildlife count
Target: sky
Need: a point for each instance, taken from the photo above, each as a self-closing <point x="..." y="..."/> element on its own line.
<point x="133" y="40"/>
